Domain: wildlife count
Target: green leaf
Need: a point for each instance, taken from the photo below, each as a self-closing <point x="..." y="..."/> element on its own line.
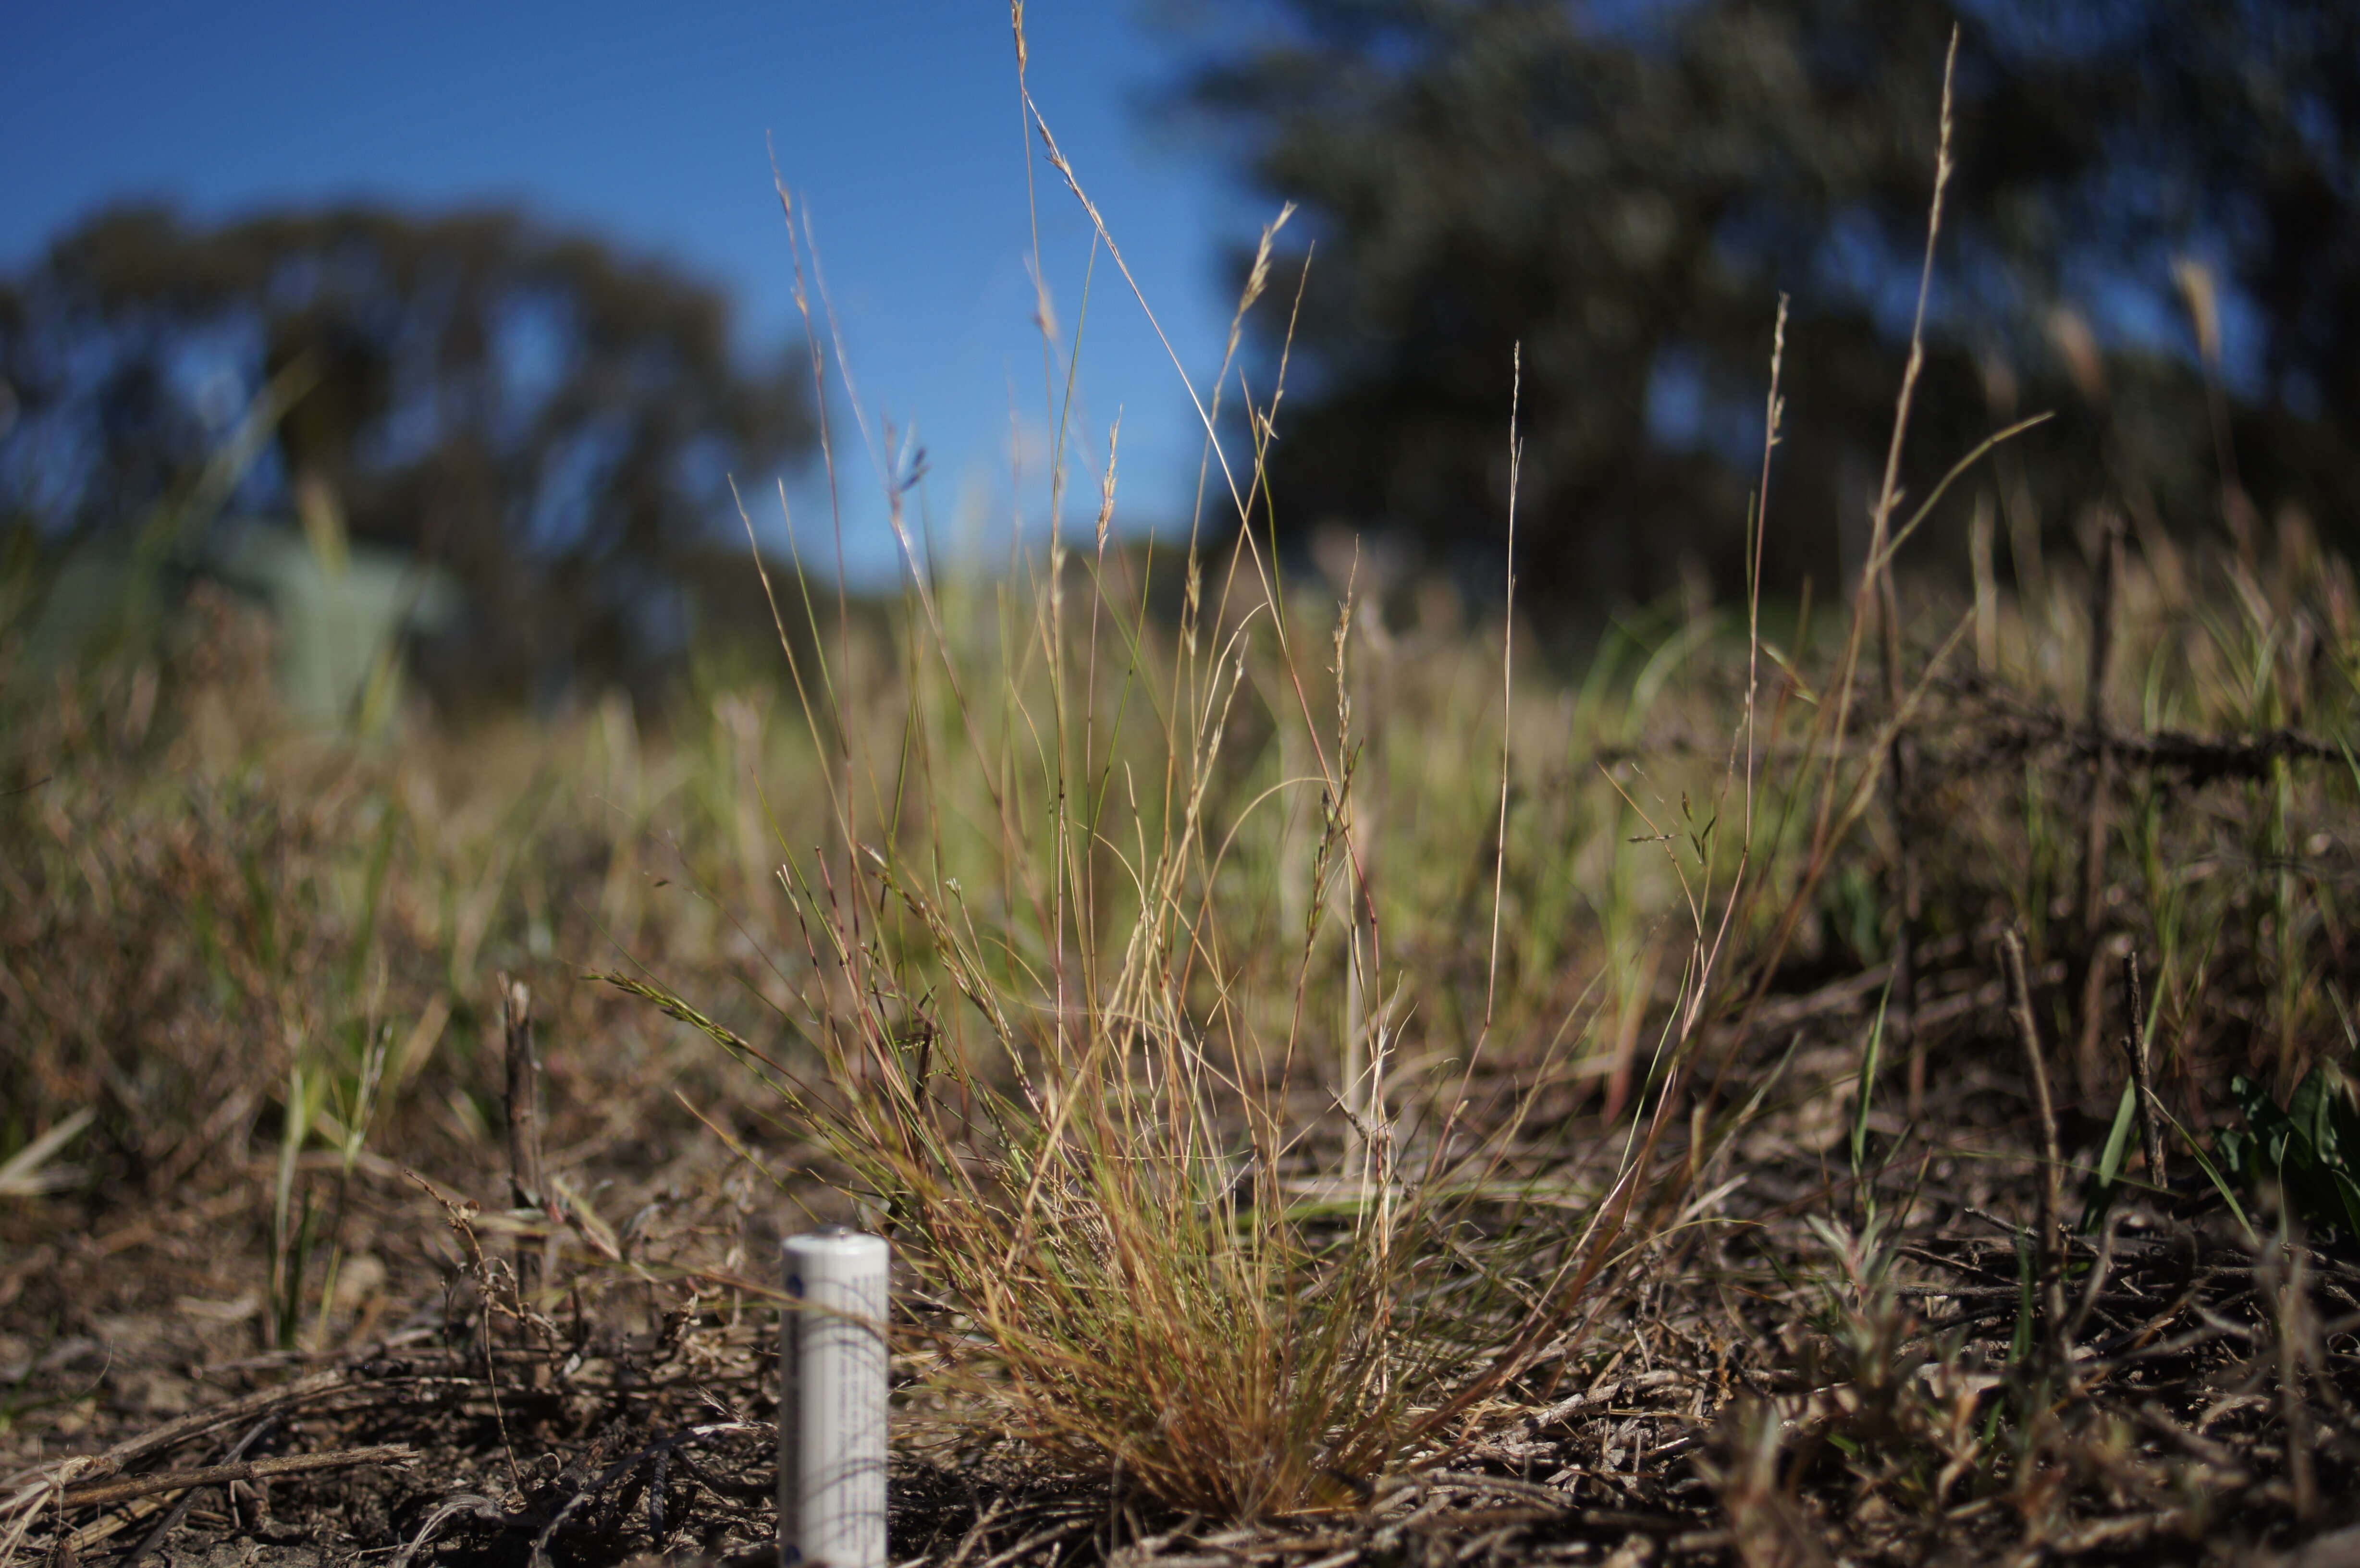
<point x="2019" y="1348"/>
<point x="2118" y="1137"/>
<point x="2238" y="1154"/>
<point x="2306" y="1116"/>
<point x="2345" y="1121"/>
<point x="2100" y="1194"/>
<point x="1866" y="1090"/>
<point x="2347" y="1192"/>
<point x="372" y="901"/>
<point x="2271" y="1129"/>
<point x="2250" y="1099"/>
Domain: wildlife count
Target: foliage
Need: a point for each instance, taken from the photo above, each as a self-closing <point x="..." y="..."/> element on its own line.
<point x="553" y="418"/>
<point x="2306" y="1151"/>
<point x="1623" y="188"/>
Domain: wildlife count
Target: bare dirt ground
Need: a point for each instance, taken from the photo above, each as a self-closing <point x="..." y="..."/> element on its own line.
<point x="1750" y="1395"/>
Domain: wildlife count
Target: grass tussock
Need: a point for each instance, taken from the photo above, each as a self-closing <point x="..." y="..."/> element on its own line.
<point x="1098" y="1008"/>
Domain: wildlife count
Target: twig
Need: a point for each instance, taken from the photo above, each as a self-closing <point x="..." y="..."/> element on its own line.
<point x="472" y="1503"/>
<point x="104" y="1492"/>
<point x="524" y="1124"/>
<point x="180" y="1510"/>
<point x="2157" y="1420"/>
<point x="2028" y="1031"/>
<point x="2203" y="758"/>
<point x="303" y="1390"/>
<point x="1849" y="997"/>
<point x="2199" y="758"/>
<point x="659" y="1449"/>
<point x="2280" y="1274"/>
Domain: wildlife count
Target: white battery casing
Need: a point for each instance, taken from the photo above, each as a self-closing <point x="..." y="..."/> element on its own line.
<point x="832" y="1398"/>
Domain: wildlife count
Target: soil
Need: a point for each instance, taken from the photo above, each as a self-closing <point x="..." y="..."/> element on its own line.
<point x="2169" y="1422"/>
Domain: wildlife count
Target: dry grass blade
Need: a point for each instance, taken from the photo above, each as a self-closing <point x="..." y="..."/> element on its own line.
<point x="26" y="1173"/>
<point x="101" y="1494"/>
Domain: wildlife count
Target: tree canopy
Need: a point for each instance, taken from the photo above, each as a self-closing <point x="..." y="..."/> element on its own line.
<point x="553" y="419"/>
<point x="1626" y="190"/>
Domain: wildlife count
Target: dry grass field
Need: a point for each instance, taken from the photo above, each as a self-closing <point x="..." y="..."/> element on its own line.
<point x="1859" y="1082"/>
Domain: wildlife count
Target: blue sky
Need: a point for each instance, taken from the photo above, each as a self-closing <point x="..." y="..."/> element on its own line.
<point x="896" y="121"/>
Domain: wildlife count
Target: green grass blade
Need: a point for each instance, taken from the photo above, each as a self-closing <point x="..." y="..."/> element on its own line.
<point x="1867" y="1091"/>
<point x="2212" y="1172"/>
<point x="2110" y="1160"/>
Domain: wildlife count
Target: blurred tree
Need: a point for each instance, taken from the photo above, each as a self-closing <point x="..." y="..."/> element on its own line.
<point x="1625" y="189"/>
<point x="555" y="421"/>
